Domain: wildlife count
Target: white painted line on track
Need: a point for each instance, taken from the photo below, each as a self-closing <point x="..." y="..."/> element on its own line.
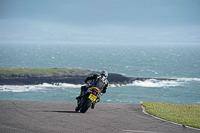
<point x="140" y="131"/>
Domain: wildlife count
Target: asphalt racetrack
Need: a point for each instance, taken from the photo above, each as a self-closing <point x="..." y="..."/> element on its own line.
<point x="60" y="117"/>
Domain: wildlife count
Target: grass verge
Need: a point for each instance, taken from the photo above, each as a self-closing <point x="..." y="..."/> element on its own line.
<point x="188" y="115"/>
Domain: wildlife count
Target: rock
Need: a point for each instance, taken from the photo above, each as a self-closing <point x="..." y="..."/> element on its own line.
<point x="72" y="77"/>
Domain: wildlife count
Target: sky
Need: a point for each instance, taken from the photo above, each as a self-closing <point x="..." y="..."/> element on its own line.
<point x="100" y="21"/>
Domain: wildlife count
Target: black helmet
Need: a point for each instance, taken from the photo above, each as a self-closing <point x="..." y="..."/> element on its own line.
<point x="105" y="73"/>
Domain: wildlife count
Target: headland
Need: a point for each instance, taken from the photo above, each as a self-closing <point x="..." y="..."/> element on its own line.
<point x="20" y="76"/>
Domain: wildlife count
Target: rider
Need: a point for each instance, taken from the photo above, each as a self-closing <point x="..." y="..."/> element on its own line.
<point x="98" y="80"/>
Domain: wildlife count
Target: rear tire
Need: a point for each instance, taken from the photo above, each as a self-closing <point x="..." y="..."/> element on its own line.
<point x="86" y="105"/>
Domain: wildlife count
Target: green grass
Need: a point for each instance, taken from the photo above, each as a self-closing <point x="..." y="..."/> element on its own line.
<point x="53" y="71"/>
<point x="188" y="115"/>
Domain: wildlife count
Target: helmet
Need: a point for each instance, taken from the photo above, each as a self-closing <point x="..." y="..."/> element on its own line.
<point x="105" y="73"/>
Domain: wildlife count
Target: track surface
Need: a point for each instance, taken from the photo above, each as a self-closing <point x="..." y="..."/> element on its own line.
<point x="51" y="117"/>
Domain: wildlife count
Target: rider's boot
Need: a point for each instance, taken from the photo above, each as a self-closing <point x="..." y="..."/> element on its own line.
<point x="83" y="90"/>
<point x="80" y="96"/>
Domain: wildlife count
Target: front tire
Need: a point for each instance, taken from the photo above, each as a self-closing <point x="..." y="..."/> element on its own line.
<point x="77" y="109"/>
<point x="86" y="105"/>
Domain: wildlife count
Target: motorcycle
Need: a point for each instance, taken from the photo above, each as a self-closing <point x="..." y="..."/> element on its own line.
<point x="92" y="95"/>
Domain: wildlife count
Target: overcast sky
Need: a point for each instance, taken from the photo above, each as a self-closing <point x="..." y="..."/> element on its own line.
<point x="148" y="15"/>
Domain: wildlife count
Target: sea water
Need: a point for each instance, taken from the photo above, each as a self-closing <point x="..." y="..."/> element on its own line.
<point x="177" y="61"/>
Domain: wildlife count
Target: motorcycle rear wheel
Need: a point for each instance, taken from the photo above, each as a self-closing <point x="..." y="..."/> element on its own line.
<point x="86" y="105"/>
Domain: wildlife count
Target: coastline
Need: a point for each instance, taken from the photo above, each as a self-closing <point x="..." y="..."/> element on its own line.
<point x="71" y="76"/>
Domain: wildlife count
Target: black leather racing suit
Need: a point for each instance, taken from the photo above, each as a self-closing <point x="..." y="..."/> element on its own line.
<point x="95" y="83"/>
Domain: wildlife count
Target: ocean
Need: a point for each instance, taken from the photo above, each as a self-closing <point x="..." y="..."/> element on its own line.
<point x="179" y="61"/>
